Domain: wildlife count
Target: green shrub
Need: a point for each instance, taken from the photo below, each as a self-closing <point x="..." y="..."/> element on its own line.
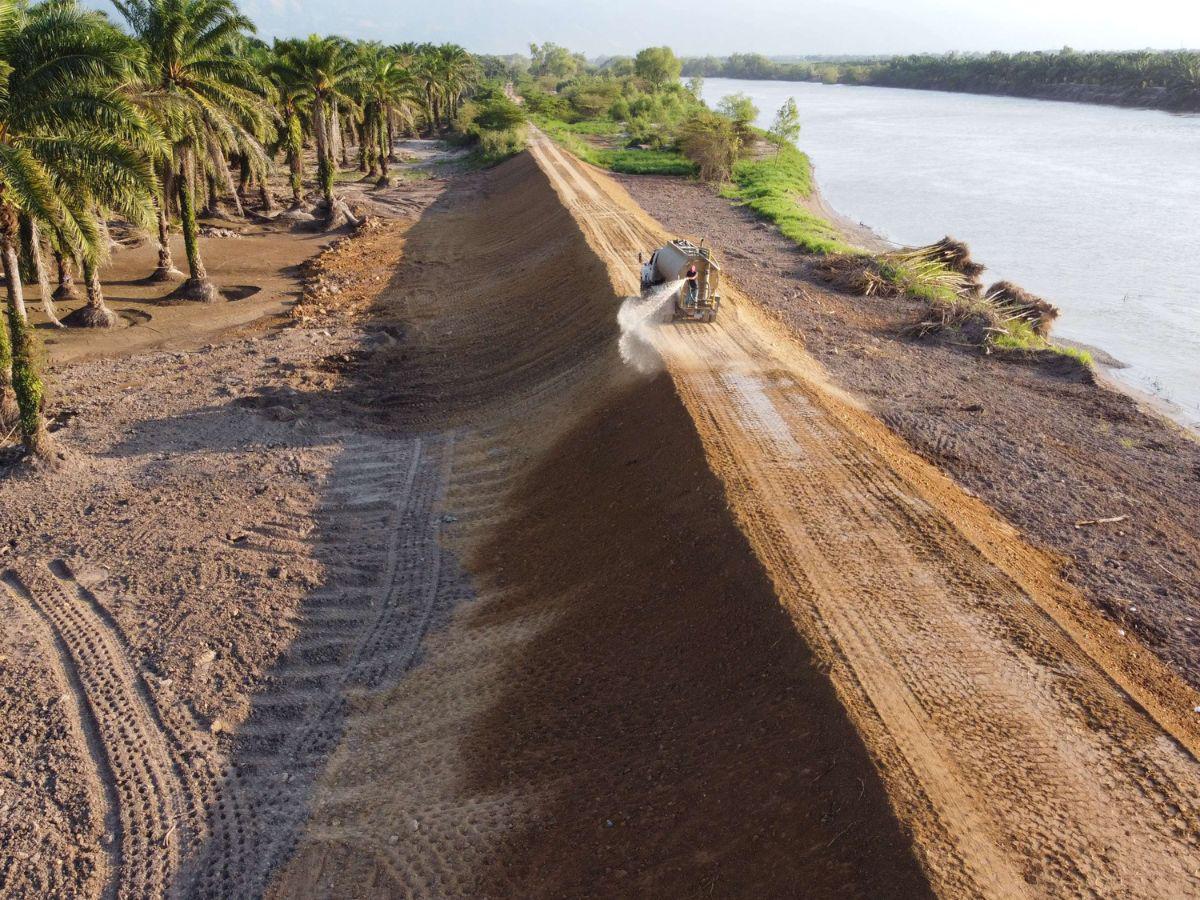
<point x="498" y="114"/>
<point x="712" y="143"/>
<point x="496" y="146"/>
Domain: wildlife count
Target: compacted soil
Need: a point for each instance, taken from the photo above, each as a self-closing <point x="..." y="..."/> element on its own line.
<point x="1036" y="439"/>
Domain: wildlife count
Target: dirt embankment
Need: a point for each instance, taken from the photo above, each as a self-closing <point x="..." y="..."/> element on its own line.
<point x="1046" y="449"/>
<point x="428" y="595"/>
<point x="622" y="708"/>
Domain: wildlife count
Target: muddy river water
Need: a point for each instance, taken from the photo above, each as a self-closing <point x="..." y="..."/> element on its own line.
<point x="1095" y="208"/>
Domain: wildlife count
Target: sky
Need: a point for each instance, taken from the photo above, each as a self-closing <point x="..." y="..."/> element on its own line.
<point x="773" y="27"/>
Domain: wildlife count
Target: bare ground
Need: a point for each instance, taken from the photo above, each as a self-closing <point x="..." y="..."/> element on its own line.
<point x="1044" y="447"/>
<point x="418" y="590"/>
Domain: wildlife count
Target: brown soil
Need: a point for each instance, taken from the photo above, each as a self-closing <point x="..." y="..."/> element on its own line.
<point x="1042" y="446"/>
<point x="623" y="708"/>
<point x="420" y="591"/>
<point x="152" y="579"/>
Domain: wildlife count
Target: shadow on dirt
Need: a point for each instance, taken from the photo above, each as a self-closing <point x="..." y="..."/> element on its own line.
<point x="670" y="722"/>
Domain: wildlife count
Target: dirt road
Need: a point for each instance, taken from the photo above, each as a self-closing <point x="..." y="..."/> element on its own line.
<point x="1032" y="750"/>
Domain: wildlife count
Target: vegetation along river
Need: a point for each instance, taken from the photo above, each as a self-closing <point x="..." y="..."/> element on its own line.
<point x="1095" y="208"/>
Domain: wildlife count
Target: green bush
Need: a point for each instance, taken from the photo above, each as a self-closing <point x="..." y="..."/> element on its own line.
<point x="493" y="124"/>
<point x="712" y="143"/>
<point x="496" y="146"/>
<point x="499" y="114"/>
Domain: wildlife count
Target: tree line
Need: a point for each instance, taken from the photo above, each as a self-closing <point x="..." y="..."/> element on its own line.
<point x="172" y="112"/>
<point x="1160" y="79"/>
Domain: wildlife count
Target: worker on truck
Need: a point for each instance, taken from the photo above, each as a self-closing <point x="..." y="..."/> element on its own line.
<point x="693" y="284"/>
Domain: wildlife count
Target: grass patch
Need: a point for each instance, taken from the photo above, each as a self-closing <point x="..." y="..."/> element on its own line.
<point x="772" y="188"/>
<point x="625" y="160"/>
<point x="593" y="127"/>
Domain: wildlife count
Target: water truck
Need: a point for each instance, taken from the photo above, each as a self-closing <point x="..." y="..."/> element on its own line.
<point x="698" y="298"/>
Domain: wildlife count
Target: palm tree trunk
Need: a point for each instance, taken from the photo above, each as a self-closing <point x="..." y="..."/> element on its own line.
<point x="197" y="287"/>
<point x="324" y="161"/>
<point x="95" y="313"/>
<point x="337" y="147"/>
<point x="295" y="154"/>
<point x="32" y="238"/>
<point x="366" y="164"/>
<point x="211" y="209"/>
<point x="380" y="136"/>
<point x="343" y="144"/>
<point x="244" y="176"/>
<point x="26" y="382"/>
<point x="390" y="149"/>
<point x="66" y="282"/>
<point x="9" y="413"/>
<point x="166" y="270"/>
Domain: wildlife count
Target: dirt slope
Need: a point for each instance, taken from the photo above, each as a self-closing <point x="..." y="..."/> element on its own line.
<point x="1029" y="752"/>
<point x="622" y="708"/>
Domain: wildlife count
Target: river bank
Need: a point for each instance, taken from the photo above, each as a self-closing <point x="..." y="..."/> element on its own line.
<point x="1046" y="447"/>
<point x="1094" y="208"/>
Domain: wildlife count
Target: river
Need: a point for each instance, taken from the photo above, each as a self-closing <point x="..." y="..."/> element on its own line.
<point x="1095" y="208"/>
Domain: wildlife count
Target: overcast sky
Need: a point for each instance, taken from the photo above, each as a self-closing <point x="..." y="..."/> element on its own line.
<point x="774" y="27"/>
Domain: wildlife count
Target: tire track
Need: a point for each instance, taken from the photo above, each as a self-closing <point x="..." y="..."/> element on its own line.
<point x="124" y="731"/>
<point x="379" y="535"/>
<point x="84" y="724"/>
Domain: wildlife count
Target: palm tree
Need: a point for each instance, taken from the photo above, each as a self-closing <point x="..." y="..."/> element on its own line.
<point x="322" y="70"/>
<point x="206" y="97"/>
<point x="386" y="90"/>
<point x="68" y="142"/>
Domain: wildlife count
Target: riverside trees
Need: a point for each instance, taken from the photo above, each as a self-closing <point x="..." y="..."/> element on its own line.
<point x="149" y="124"/>
<point x="1174" y="74"/>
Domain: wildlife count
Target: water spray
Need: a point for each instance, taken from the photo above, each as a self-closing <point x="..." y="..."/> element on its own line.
<point x="637" y="317"/>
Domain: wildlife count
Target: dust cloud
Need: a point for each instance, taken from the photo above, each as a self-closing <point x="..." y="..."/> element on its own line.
<point x="637" y="316"/>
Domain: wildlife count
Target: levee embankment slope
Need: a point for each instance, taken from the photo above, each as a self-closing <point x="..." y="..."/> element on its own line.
<point x="623" y="708"/>
<point x="1029" y="753"/>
